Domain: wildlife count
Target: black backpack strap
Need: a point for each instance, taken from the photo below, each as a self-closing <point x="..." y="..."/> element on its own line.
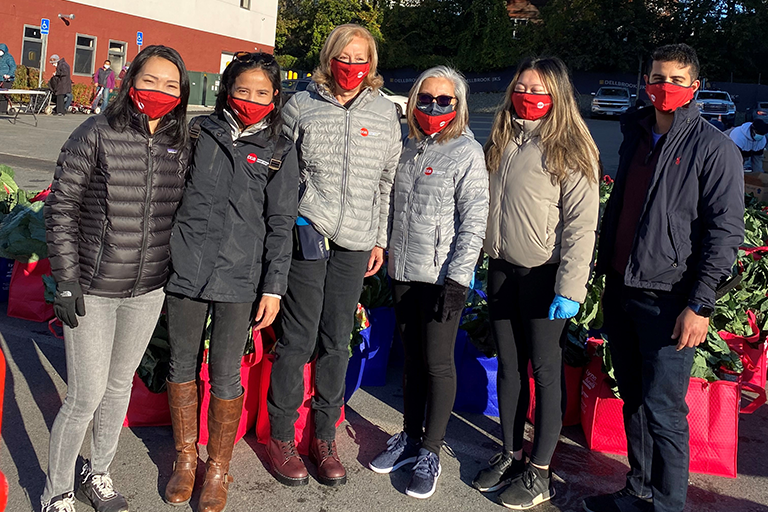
<point x="194" y="128"/>
<point x="277" y="156"/>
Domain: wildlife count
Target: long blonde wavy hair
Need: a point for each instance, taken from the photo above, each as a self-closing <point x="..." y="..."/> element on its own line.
<point x="337" y="40"/>
<point x="564" y="137"/>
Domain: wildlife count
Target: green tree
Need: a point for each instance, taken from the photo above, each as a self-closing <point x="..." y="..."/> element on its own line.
<point x="486" y="40"/>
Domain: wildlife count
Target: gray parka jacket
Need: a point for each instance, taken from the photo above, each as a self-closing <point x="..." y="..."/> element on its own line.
<point x="347" y="161"/>
<point x="439" y="210"/>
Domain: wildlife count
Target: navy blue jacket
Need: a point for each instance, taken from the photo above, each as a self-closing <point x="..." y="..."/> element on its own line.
<point x="693" y="215"/>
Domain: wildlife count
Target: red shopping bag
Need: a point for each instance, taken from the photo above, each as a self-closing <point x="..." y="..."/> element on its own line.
<point x="752" y="353"/>
<point x="713" y="419"/>
<point x="147" y="409"/>
<point x="602" y="415"/>
<point x="26" y="293"/>
<point x="573" y="377"/>
<point x="250" y="379"/>
<point x="304" y="425"/>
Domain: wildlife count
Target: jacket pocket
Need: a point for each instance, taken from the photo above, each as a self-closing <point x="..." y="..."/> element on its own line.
<point x="437" y="243"/>
<point x="673" y="241"/>
<point x="100" y="254"/>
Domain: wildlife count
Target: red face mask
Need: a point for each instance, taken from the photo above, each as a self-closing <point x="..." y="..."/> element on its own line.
<point x="249" y="112"/>
<point x="432" y="124"/>
<point x="531" y="106"/>
<point x="349" y="75"/>
<point x="668" y="97"/>
<point x="153" y="103"/>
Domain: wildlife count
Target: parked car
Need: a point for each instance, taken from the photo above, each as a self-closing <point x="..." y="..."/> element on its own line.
<point x="760" y="111"/>
<point x="611" y="101"/>
<point x="400" y="101"/>
<point x="291" y="87"/>
<point x="716" y="104"/>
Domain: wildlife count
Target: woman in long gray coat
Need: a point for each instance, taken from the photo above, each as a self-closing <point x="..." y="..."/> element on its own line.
<point x="439" y="213"/>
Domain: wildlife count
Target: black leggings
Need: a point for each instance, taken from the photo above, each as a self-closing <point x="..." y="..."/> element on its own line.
<point x="186" y="328"/>
<point x="429" y="375"/>
<point x="518" y="305"/>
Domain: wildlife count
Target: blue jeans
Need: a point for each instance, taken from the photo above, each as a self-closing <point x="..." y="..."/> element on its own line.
<point x="653" y="380"/>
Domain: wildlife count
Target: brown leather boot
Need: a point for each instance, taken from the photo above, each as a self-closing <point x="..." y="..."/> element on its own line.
<point x="329" y="468"/>
<point x="287" y="466"/>
<point x="223" y="420"/>
<point x="182" y="398"/>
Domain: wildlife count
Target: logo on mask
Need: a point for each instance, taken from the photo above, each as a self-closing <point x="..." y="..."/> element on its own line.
<point x="364" y="132"/>
<point x="653" y="97"/>
<point x="428" y="171"/>
<point x="540" y="105"/>
<point x="252" y="158"/>
<point x="361" y="74"/>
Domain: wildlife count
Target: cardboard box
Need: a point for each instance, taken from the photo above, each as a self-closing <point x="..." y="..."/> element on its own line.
<point x="756" y="183"/>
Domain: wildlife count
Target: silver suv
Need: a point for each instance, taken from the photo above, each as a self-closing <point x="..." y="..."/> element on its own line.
<point x="611" y="101"/>
<point x="716" y="104"/>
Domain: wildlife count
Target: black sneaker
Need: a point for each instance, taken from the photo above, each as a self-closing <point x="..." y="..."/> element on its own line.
<point x="61" y="503"/>
<point x="528" y="490"/>
<point x="620" y="501"/>
<point x="504" y="468"/>
<point x="98" y="490"/>
<point x="425" y="474"/>
<point x="401" y="450"/>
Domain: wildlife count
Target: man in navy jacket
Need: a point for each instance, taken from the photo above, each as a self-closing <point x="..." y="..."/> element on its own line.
<point x="670" y="235"/>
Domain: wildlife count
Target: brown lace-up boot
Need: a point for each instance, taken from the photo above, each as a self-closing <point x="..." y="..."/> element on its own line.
<point x="182" y="398"/>
<point x="330" y="471"/>
<point x="287" y="466"/>
<point x="223" y="420"/>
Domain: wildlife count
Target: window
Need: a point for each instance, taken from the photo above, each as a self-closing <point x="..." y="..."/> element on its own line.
<point x="117" y="55"/>
<point x="245" y="4"/>
<point x="31" y="47"/>
<point x="85" y="48"/>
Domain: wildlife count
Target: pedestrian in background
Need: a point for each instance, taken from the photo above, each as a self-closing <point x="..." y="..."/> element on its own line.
<point x="544" y="169"/>
<point x="669" y="237"/>
<point x="117" y="184"/>
<point x="7" y="75"/>
<point x="231" y="250"/>
<point x="348" y="139"/>
<point x="104" y="79"/>
<point x="437" y="224"/>
<point x="751" y="140"/>
<point x="61" y="84"/>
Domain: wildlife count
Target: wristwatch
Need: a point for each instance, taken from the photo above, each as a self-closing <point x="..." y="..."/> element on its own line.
<point x="701" y="309"/>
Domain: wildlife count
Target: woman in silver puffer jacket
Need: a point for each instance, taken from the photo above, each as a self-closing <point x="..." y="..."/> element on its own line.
<point x="438" y="217"/>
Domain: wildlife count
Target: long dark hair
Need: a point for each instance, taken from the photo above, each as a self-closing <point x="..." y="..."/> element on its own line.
<point x="121" y="109"/>
<point x="243" y="62"/>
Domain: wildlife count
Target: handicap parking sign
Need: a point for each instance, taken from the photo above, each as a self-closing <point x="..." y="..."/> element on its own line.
<point x="45" y="26"/>
<point x="139" y="38"/>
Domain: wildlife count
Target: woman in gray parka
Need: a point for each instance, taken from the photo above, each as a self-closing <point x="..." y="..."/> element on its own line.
<point x="438" y="217"/>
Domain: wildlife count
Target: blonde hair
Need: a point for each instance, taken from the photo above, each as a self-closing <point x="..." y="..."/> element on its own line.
<point x="460" y="90"/>
<point x="565" y="140"/>
<point x="337" y="40"/>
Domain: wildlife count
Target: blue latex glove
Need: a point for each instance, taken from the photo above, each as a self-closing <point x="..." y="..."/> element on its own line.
<point x="563" y="308"/>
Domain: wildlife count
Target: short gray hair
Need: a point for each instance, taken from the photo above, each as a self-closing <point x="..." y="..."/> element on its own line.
<point x="461" y="91"/>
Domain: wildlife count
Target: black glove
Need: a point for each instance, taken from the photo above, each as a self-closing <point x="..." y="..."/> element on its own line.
<point x="69" y="303"/>
<point x="452" y="298"/>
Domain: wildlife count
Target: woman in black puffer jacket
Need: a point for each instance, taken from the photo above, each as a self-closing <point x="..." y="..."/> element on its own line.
<point x="118" y="182"/>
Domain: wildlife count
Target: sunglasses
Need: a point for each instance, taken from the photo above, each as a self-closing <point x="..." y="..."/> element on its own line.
<point x="442" y="100"/>
<point x="264" y="58"/>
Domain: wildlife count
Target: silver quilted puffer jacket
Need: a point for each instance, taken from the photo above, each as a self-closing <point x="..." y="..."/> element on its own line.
<point x="347" y="159"/>
<point x="439" y="210"/>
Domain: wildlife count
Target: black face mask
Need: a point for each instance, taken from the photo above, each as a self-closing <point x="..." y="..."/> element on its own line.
<point x="433" y="109"/>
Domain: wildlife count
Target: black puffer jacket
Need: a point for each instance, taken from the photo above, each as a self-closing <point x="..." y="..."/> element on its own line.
<point x="108" y="217"/>
<point x="233" y="233"/>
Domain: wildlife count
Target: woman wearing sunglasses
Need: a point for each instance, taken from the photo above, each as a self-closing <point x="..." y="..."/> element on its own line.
<point x="439" y="212"/>
<point x="543" y="168"/>
<point x="118" y="181"/>
<point x="231" y="250"/>
<point x="348" y="138"/>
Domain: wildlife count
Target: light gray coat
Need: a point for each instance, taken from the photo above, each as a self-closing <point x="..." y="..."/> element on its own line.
<point x="439" y="210"/>
<point x="347" y="162"/>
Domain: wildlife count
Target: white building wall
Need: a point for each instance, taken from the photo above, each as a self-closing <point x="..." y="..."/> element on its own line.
<point x="222" y="17"/>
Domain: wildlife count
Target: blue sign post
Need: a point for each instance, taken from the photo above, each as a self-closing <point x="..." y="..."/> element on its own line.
<point x="139" y="39"/>
<point x="45" y="26"/>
